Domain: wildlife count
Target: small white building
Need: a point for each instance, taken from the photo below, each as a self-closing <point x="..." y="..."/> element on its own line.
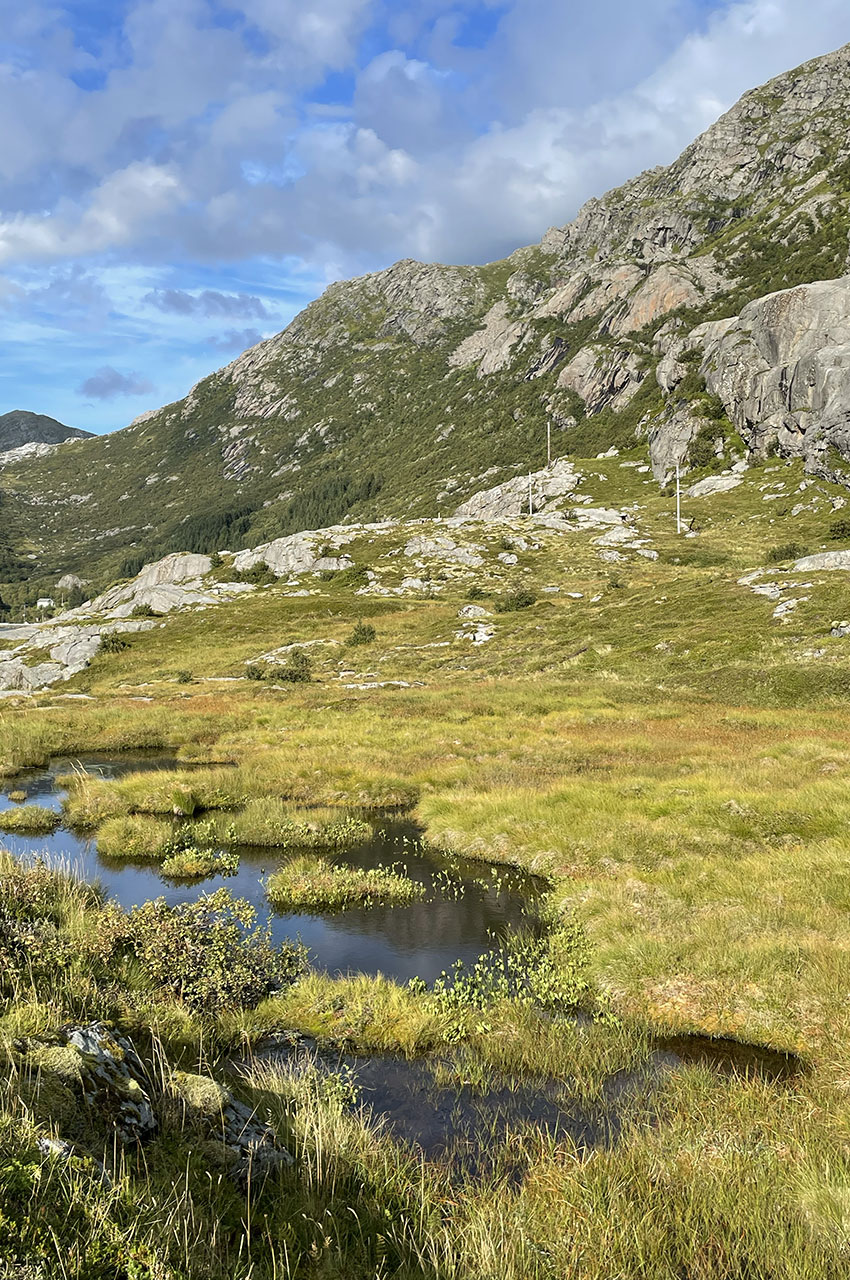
<point x="45" y="602"/>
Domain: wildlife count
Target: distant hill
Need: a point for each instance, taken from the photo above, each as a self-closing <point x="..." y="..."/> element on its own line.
<point x="20" y="427"/>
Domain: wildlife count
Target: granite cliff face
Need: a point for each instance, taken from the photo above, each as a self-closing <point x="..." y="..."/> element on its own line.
<point x="698" y="314"/>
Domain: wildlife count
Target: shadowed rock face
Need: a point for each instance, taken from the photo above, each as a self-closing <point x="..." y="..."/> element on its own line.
<point x="20" y="427"/>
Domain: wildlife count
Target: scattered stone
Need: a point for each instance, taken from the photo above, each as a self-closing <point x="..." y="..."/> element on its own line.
<point x="825" y="560"/>
<point x="714" y="484"/>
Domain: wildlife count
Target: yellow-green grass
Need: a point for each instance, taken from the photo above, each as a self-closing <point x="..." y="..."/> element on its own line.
<point x="197" y="864"/>
<point x="268" y="821"/>
<point x="29" y="820"/>
<point x="134" y="836"/>
<point x="310" y="883"/>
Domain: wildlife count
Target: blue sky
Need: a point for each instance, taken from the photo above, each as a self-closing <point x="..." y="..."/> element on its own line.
<point x="179" y="177"/>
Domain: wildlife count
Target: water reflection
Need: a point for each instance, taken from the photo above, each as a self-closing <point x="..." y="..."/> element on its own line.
<point x="467" y="906"/>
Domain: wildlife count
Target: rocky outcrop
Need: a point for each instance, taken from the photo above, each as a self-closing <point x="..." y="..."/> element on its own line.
<point x="70" y="647"/>
<point x="441" y="547"/>
<point x="666" y="288"/>
<point x="604" y="378"/>
<point x="542" y="489"/>
<point x="175" y="582"/>
<point x="492" y="346"/>
<point x="824" y="560"/>
<point x="782" y="371"/>
<point x="669" y="440"/>
<point x="712" y="485"/>
<point x="308" y="552"/>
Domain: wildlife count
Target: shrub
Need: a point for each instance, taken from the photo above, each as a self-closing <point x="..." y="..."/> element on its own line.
<point x="216" y="560"/>
<point x="184" y="677"/>
<point x="513" y="601"/>
<point x="355" y="576"/>
<point x="786" y="551"/>
<point x="839" y="530"/>
<point x="210" y="953"/>
<point x="113" y="642"/>
<point x="297" y="669"/>
<point x="363" y="633"/>
<point x="29" y="820"/>
<point x="260" y="574"/>
<point x="129" y="567"/>
<point x="255" y="672"/>
<point x="144" y="611"/>
<point x="477" y="593"/>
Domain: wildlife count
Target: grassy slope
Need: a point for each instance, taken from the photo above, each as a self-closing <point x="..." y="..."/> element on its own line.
<point x="672" y="755"/>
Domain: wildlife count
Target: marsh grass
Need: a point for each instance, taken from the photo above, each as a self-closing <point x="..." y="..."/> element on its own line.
<point x="134" y="837"/>
<point x="310" y="883"/>
<point x="269" y="821"/>
<point x="683" y="784"/>
<point x="198" y="864"/>
<point x="29" y="820"/>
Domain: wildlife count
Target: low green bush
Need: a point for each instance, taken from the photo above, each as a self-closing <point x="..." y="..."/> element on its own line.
<point x="363" y="633"/>
<point x="786" y="551"/>
<point x="514" y="601"/>
<point x="298" y="669"/>
<point x="113" y="642"/>
<point x="210" y="953"/>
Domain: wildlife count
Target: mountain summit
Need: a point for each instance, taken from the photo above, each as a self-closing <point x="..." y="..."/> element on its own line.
<point x="680" y="315"/>
<point x="20" y="427"/>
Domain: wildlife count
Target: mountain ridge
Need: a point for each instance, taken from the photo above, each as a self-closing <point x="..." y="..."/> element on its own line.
<point x="408" y="390"/>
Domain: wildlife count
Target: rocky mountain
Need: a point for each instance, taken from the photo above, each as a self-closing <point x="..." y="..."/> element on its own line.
<point x="20" y="428"/>
<point x="698" y="315"/>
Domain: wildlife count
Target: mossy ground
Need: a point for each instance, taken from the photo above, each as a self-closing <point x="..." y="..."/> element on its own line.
<point x="672" y="755"/>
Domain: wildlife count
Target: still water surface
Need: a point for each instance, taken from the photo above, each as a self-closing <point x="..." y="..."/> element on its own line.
<point x="468" y="906"/>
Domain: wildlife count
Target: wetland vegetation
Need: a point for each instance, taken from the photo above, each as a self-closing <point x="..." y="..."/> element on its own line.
<point x="625" y="819"/>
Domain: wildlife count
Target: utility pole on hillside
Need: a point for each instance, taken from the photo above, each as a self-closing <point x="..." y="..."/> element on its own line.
<point x="678" y="502"/>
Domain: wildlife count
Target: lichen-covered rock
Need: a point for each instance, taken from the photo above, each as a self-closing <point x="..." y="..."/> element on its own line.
<point x="604" y="378"/>
<point x="510" y="499"/>
<point x="92" y="1065"/>
<point x="492" y="346"/>
<point x="782" y="370"/>
<point x="251" y="1145"/>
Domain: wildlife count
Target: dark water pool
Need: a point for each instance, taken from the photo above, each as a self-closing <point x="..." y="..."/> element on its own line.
<point x="426" y="1104"/>
<point x="468" y="906"/>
